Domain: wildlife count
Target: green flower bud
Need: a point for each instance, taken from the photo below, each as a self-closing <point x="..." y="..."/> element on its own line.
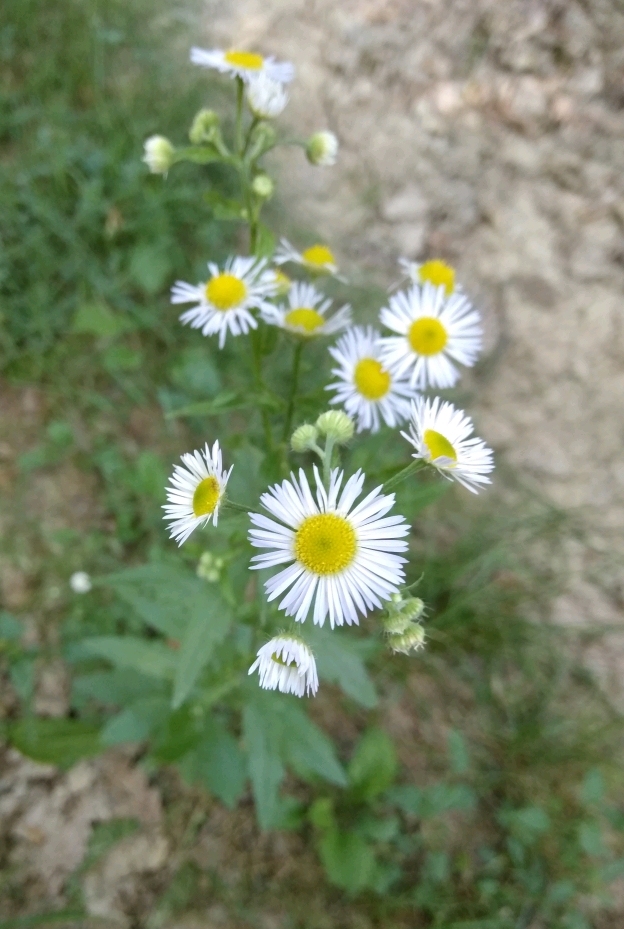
<point x="322" y="149"/>
<point x="158" y="154"/>
<point x="304" y="438"/>
<point x="336" y="425"/>
<point x="263" y="186"/>
<point x="410" y="641"/>
<point x="209" y="567"/>
<point x="205" y="127"/>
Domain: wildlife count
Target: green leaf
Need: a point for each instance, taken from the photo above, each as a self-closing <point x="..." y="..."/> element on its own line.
<point x="460" y="761"/>
<point x="207" y="627"/>
<point x="55" y="741"/>
<point x="374" y="765"/>
<point x="151" y="658"/>
<point x="338" y="662"/>
<point x="593" y="789"/>
<point x="265" y="768"/>
<point x="590" y="839"/>
<point x="224" y="208"/>
<point x="227" y="402"/>
<point x="348" y="860"/>
<point x="114" y="688"/>
<point x="525" y="824"/>
<point x="433" y="800"/>
<point x="178" y="733"/>
<point x="304" y="745"/>
<point x="150" y="266"/>
<point x="98" y="319"/>
<point x="165" y="597"/>
<point x="198" y="154"/>
<point x="10" y="628"/>
<point x="137" y="722"/>
<point x="217" y="763"/>
<point x="265" y="243"/>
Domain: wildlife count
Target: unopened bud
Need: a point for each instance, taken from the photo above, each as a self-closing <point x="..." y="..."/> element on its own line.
<point x="304" y="438"/>
<point x="401" y="614"/>
<point x="266" y="97"/>
<point x="322" y="149"/>
<point x="80" y="582"/>
<point x="205" y="124"/>
<point x="209" y="567"/>
<point x="336" y="425"/>
<point x="263" y="186"/>
<point x="158" y="154"/>
<point x="410" y="641"/>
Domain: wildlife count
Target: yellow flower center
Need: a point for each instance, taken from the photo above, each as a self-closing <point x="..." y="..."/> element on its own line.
<point x="225" y="291"/>
<point x="370" y="379"/>
<point x="304" y="318"/>
<point x="206" y="496"/>
<point x="439" y="274"/>
<point x="248" y="60"/>
<point x="319" y="256"/>
<point x="325" y="544"/>
<point x="438" y="445"/>
<point x="427" y="336"/>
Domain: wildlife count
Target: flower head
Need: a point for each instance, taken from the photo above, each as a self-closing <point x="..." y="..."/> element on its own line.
<point x="441" y="436"/>
<point x="305" y="313"/>
<point x="341" y="558"/>
<point x="158" y="154"/>
<point x="412" y="640"/>
<point x="225" y="301"/>
<point x="336" y="425"/>
<point x="304" y="438"/>
<point x="205" y="127"/>
<point x="195" y="493"/>
<point x="287" y="664"/>
<point x="322" y="149"/>
<point x="435" y="272"/>
<point x="318" y="258"/>
<point x="246" y="65"/>
<point x="266" y="97"/>
<point x="365" y="387"/>
<point x="433" y="332"/>
<point x="80" y="582"/>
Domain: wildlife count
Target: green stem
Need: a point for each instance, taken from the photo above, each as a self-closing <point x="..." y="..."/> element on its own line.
<point x="231" y="505"/>
<point x="294" y="383"/>
<point x="412" y="468"/>
<point x="240" y="90"/>
<point x="256" y="348"/>
<point x="327" y="460"/>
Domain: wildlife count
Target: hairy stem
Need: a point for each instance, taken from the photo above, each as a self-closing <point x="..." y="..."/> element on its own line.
<point x="294" y="383"/>
<point x="412" y="468"/>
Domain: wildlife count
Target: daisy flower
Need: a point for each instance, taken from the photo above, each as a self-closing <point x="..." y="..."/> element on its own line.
<point x="317" y="258"/>
<point x="436" y="272"/>
<point x="365" y="388"/>
<point x="225" y="301"/>
<point x="305" y="313"/>
<point x="245" y="65"/>
<point x="322" y="149"/>
<point x="195" y="492"/>
<point x="341" y="558"/>
<point x="287" y="664"/>
<point x="266" y="97"/>
<point x="441" y="436"/>
<point x="434" y="331"/>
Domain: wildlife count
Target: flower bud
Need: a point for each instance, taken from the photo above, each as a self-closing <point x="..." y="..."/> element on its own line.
<point x="336" y="425"/>
<point x="80" y="582"/>
<point x="304" y="438"/>
<point x="263" y="186"/>
<point x="158" y="154"/>
<point x="266" y="97"/>
<point x="209" y="567"/>
<point x="322" y="149"/>
<point x="410" y="641"/>
<point x="205" y="124"/>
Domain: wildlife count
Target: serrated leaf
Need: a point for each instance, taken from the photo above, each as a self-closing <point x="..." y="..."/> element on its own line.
<point x="265" y="768"/>
<point x="154" y="659"/>
<point x="62" y="742"/>
<point x="207" y="626"/>
<point x="217" y="763"/>
<point x="339" y="663"/>
<point x="374" y="765"/>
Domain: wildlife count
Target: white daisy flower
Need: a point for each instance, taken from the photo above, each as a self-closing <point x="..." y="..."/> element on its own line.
<point x="317" y="258"/>
<point x="80" y="582"/>
<point x="341" y="559"/>
<point x="266" y="98"/>
<point x="434" y="331"/>
<point x="305" y="313"/>
<point x="287" y="664"/>
<point x="436" y="272"/>
<point x="195" y="492"/>
<point x="245" y="65"/>
<point x="226" y="300"/>
<point x="322" y="149"/>
<point x="365" y="388"/>
<point x="158" y="154"/>
<point x="441" y="435"/>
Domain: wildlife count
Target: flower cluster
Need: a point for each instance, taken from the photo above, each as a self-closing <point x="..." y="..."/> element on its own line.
<point x="335" y="549"/>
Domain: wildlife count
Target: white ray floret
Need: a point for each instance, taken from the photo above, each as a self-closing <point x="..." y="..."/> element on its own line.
<point x="305" y="313"/>
<point x="195" y="492"/>
<point x="342" y="559"/>
<point x="367" y="390"/>
<point x="443" y="436"/>
<point x="434" y="332"/>
<point x="245" y="65"/>
<point x="318" y="258"/>
<point x="224" y="302"/>
<point x="266" y="98"/>
<point x="287" y="664"/>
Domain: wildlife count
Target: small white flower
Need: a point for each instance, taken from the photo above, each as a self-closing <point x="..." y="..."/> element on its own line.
<point x="436" y="272"/>
<point x="441" y="435"/>
<point x="305" y="313"/>
<point x="80" y="582"/>
<point x="434" y="331"/>
<point x="158" y="154"/>
<point x="266" y="98"/>
<point x="365" y="388"/>
<point x="341" y="558"/>
<point x="322" y="149"/>
<point x="317" y="258"/>
<point x="287" y="664"/>
<point x="225" y="301"/>
<point x="246" y="65"/>
<point x="195" y="492"/>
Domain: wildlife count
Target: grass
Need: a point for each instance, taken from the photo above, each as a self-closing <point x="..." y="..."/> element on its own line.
<point x="499" y="805"/>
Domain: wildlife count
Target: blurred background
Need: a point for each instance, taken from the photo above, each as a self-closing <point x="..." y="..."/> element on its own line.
<point x="486" y="132"/>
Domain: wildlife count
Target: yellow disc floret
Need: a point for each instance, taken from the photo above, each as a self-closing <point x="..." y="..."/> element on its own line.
<point x="206" y="496"/>
<point x="248" y="60"/>
<point x="225" y="291"/>
<point x="325" y="544"/>
<point x="304" y="318"/>
<point x="371" y="380"/>
<point x="319" y="256"/>
<point x="439" y="274"/>
<point x="438" y="445"/>
<point x="427" y="336"/>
